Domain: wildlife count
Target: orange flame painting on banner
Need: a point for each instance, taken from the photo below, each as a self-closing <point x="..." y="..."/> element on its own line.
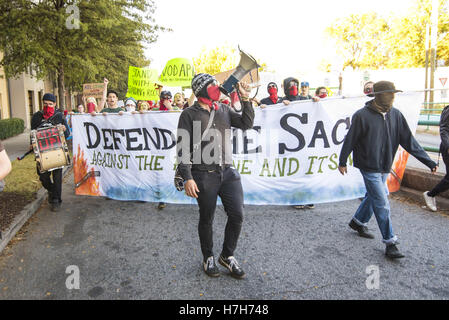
<point x="394" y="183"/>
<point x="90" y="187"/>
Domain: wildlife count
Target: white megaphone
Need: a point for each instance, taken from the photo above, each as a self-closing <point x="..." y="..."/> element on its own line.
<point x="246" y="64"/>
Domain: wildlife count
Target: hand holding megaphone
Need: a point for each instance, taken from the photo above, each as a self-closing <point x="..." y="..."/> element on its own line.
<point x="244" y="90"/>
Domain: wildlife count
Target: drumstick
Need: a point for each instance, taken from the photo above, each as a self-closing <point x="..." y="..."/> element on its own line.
<point x="27" y="153"/>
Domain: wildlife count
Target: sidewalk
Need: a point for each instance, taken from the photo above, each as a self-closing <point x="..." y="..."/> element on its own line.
<point x="18" y="145"/>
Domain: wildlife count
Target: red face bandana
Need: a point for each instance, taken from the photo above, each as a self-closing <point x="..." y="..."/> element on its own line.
<point x="293" y="91"/>
<point x="90" y="107"/>
<point x="323" y="95"/>
<point x="162" y="106"/>
<point x="273" y="94"/>
<point x="209" y="102"/>
<point x="48" y="112"/>
<point x="214" y="93"/>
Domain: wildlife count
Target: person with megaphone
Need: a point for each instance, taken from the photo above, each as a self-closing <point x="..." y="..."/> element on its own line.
<point x="205" y="163"/>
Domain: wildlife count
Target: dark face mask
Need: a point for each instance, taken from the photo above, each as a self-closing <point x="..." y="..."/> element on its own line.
<point x="384" y="101"/>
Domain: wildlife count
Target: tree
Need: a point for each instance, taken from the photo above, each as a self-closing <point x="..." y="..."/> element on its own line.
<point x="79" y="40"/>
<point x="370" y="41"/>
<point x="360" y="40"/>
<point x="219" y="59"/>
<point x="216" y="60"/>
<point x="406" y="41"/>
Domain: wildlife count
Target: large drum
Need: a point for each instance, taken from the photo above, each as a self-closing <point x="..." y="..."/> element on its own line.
<point x="50" y="148"/>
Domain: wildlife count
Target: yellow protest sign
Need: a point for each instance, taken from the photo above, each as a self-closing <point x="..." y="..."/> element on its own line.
<point x="178" y="72"/>
<point x="142" y="84"/>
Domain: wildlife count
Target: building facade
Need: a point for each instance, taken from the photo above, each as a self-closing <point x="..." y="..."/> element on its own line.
<point x="26" y="96"/>
<point x="4" y="94"/>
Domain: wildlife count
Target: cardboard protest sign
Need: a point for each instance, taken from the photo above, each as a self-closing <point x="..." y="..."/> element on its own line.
<point x="93" y="90"/>
<point x="142" y="84"/>
<point x="178" y="72"/>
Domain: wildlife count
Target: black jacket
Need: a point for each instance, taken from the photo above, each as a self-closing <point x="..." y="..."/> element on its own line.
<point x="225" y="118"/>
<point x="444" y="130"/>
<point x="374" y="140"/>
<point x="286" y="89"/>
<point x="58" y="118"/>
<point x="267" y="101"/>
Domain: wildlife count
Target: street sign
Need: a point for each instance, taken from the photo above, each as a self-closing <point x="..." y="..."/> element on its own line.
<point x="443" y="81"/>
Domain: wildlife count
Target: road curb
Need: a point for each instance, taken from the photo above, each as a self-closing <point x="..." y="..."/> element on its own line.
<point x="26" y="213"/>
<point x="422" y="180"/>
<point x="442" y="203"/>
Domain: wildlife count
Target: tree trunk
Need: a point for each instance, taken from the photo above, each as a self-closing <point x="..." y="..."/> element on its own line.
<point x="61" y="87"/>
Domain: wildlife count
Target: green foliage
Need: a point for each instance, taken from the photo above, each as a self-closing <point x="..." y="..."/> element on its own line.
<point x="110" y="37"/>
<point x="216" y="60"/>
<point x="360" y="40"/>
<point x="368" y="41"/>
<point x="406" y="42"/>
<point x="219" y="59"/>
<point x="11" y="127"/>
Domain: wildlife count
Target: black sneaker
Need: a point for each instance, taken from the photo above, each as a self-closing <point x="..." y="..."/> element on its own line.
<point x="392" y="252"/>
<point x="50" y="197"/>
<point x="55" y="206"/>
<point x="161" y="205"/>
<point x="210" y="267"/>
<point x="233" y="266"/>
<point x="362" y="230"/>
<point x="310" y="206"/>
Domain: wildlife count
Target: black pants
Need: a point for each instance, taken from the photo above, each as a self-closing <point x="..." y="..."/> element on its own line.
<point x="53" y="187"/>
<point x="443" y="185"/>
<point x="228" y="186"/>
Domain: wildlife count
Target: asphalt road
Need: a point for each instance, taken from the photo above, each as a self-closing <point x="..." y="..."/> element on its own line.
<point x="131" y="250"/>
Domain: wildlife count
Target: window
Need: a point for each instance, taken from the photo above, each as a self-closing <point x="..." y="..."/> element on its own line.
<point x="31" y="103"/>
<point x="40" y="100"/>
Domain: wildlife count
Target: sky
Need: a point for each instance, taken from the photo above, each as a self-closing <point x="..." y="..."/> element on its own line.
<point x="286" y="35"/>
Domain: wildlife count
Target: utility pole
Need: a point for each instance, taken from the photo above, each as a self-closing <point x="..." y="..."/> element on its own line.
<point x="433" y="46"/>
<point x="426" y="85"/>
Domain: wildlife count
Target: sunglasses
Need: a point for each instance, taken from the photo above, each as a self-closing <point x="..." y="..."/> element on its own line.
<point x="166" y="98"/>
<point x="304" y="84"/>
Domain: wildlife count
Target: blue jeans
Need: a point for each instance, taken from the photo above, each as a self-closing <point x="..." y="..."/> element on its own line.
<point x="376" y="201"/>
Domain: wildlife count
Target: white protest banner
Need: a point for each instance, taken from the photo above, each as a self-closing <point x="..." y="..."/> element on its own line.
<point x="289" y="157"/>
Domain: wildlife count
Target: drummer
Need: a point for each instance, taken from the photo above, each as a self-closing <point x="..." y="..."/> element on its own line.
<point x="51" y="116"/>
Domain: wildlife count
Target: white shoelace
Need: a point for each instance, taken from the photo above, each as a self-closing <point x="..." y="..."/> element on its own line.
<point x="210" y="262"/>
<point x="233" y="262"/>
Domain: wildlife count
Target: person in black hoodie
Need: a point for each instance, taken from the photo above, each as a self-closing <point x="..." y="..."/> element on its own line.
<point x="50" y="116"/>
<point x="291" y="90"/>
<point x="374" y="136"/>
<point x="443" y="185"/>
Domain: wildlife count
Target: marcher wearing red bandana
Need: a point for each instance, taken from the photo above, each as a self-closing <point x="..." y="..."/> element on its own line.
<point x="209" y="175"/>
<point x="48" y="112"/>
<point x="291" y="90"/>
<point x="273" y="97"/>
<point x="51" y="116"/>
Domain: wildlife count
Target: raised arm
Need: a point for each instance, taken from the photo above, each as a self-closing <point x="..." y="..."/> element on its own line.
<point x="245" y="120"/>
<point x="105" y="94"/>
